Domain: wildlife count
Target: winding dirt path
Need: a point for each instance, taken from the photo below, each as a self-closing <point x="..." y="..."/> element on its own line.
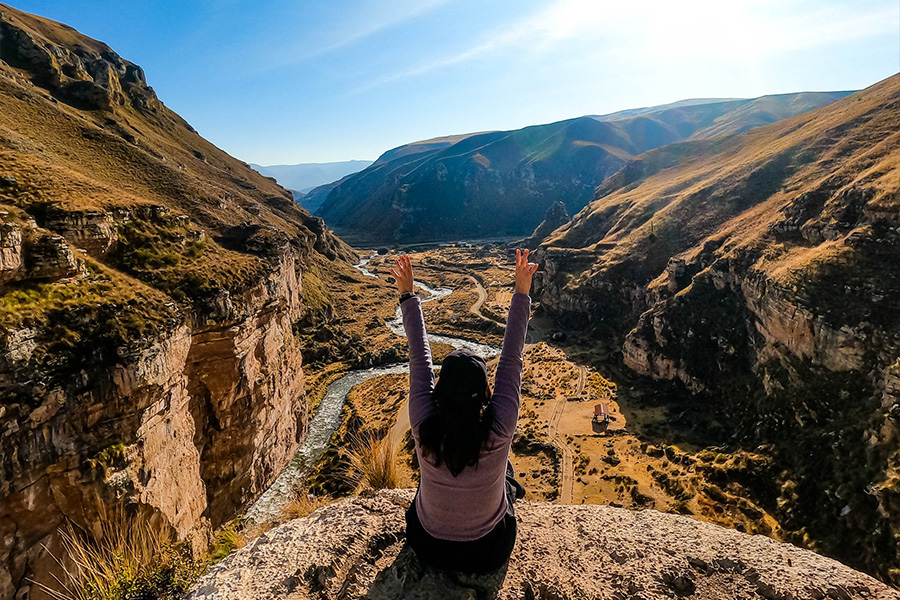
<point x="567" y="469"/>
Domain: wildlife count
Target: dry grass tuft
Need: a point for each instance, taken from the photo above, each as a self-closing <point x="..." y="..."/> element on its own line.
<point x="130" y="560"/>
<point x="373" y="461"/>
<point x="303" y="505"/>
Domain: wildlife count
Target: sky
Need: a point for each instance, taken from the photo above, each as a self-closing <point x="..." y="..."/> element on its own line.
<point x="291" y="81"/>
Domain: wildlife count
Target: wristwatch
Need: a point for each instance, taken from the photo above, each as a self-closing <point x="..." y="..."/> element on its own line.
<point x="406" y="296"/>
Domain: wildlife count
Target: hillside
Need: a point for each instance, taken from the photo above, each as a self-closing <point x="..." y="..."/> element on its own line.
<point x="355" y="549"/>
<point x="759" y="273"/>
<point x="501" y="183"/>
<point x="149" y="289"/>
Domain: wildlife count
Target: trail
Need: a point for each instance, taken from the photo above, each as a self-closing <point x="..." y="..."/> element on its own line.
<point x="567" y="468"/>
<point x="475" y="309"/>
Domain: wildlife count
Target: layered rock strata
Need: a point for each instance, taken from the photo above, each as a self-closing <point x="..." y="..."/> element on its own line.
<point x="760" y="273"/>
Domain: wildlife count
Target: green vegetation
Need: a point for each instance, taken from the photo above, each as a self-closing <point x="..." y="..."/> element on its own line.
<point x="315" y="296"/>
<point x="107" y="460"/>
<point x="84" y="322"/>
<point x="229" y="538"/>
<point x="175" y="257"/>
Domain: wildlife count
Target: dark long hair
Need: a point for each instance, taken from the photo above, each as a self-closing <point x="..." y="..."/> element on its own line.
<point x="457" y="430"/>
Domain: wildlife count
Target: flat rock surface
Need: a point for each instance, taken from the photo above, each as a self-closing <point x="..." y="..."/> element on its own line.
<point x="355" y="549"/>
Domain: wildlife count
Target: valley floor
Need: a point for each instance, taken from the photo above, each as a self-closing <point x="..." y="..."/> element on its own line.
<point x="641" y="459"/>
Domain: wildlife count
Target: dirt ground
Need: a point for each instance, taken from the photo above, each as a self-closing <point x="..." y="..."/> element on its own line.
<point x="558" y="454"/>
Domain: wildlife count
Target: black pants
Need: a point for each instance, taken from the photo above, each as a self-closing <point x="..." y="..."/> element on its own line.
<point x="484" y="555"/>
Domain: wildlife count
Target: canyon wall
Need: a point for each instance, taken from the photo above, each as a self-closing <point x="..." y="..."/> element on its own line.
<point x="184" y="432"/>
<point x="759" y="275"/>
<point x="150" y="286"/>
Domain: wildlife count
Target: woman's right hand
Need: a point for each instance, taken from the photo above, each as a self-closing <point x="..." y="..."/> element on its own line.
<point x="403" y="273"/>
<point x="524" y="271"/>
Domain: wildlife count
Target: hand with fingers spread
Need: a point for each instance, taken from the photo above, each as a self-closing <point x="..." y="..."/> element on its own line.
<point x="402" y="272"/>
<point x="524" y="271"/>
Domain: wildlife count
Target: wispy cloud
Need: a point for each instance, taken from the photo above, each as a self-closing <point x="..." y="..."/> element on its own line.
<point x="361" y="24"/>
<point x="694" y="29"/>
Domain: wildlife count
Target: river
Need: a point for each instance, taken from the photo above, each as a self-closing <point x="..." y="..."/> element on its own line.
<point x="327" y="416"/>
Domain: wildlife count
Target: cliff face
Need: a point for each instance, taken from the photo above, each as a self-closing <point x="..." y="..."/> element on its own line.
<point x="760" y="271"/>
<point x="503" y="182"/>
<point x="149" y="284"/>
<point x="355" y="549"/>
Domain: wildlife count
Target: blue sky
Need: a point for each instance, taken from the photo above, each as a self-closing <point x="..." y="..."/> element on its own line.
<point x="280" y="82"/>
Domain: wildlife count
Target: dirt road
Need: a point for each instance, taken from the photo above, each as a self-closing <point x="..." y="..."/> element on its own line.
<point x="567" y="469"/>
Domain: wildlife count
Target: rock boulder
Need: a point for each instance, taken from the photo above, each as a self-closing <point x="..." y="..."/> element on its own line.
<point x="355" y="548"/>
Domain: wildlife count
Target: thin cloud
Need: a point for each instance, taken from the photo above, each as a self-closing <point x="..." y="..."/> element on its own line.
<point x="673" y="31"/>
<point x="361" y="29"/>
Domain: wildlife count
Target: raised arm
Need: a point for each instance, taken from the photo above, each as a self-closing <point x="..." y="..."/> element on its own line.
<point x="508" y="381"/>
<point x="421" y="370"/>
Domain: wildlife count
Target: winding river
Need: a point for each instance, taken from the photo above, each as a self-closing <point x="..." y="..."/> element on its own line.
<point x="327" y="416"/>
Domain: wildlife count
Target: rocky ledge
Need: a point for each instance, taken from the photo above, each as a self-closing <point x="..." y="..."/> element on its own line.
<point x="355" y="548"/>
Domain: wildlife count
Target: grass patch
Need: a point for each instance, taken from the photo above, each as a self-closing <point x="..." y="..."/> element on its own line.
<point x="304" y="504"/>
<point x="373" y="461"/>
<point x="130" y="562"/>
<point x="171" y="255"/>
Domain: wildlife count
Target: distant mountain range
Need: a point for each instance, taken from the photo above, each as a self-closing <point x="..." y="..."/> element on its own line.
<point x="305" y="176"/>
<point x="500" y="183"/>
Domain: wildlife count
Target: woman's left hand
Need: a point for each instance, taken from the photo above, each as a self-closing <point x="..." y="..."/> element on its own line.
<point x="402" y="272"/>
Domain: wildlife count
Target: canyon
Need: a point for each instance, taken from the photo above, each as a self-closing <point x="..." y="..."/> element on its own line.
<point x="171" y="320"/>
<point x="758" y="274"/>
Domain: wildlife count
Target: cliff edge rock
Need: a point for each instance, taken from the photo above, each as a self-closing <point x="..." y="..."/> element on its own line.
<point x="355" y="549"/>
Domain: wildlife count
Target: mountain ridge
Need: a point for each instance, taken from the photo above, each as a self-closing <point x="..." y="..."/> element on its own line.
<point x="150" y="286"/>
<point x="502" y="182"/>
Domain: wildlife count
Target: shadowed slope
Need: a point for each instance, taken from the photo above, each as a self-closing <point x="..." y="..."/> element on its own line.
<point x="502" y="182"/>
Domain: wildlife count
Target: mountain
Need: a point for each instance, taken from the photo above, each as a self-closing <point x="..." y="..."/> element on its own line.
<point x="760" y="274"/>
<point x="306" y="176"/>
<point x="150" y="285"/>
<point x="501" y="183"/>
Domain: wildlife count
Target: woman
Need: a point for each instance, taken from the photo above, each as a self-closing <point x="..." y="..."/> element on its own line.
<point x="462" y="518"/>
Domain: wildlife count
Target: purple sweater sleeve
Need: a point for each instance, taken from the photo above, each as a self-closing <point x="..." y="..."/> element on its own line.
<point x="507" y="392"/>
<point x="421" y="371"/>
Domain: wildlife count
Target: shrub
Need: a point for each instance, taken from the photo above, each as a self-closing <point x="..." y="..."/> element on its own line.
<point x="373" y="461"/>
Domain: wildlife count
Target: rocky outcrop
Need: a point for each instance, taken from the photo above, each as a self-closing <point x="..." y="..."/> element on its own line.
<point x="30" y="253"/>
<point x="757" y="272"/>
<point x="556" y="217"/>
<point x="95" y="232"/>
<point x="355" y="549"/>
<point x="92" y="77"/>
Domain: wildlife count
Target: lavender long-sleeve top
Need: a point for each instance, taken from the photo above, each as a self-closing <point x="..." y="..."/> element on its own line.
<point x="468" y="506"/>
